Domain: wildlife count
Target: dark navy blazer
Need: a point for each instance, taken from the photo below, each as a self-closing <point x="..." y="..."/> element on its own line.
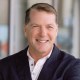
<point x="60" y="66"/>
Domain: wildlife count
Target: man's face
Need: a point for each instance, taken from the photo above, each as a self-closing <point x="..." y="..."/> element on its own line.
<point x="41" y="31"/>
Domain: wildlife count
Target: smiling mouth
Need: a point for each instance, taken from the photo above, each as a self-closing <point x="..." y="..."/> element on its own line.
<point x="42" y="41"/>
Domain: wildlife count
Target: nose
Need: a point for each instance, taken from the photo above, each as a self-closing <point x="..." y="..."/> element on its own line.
<point x="43" y="32"/>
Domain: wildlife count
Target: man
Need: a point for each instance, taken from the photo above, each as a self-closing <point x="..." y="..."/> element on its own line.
<point x="41" y="60"/>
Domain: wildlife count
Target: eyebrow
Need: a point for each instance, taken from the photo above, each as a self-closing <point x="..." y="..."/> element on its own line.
<point x="39" y="24"/>
<point x="34" y="24"/>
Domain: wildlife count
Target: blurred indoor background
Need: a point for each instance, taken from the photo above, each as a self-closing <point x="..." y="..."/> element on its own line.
<point x="12" y="13"/>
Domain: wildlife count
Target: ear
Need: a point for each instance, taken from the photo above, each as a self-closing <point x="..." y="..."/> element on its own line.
<point x="25" y="31"/>
<point x="56" y="29"/>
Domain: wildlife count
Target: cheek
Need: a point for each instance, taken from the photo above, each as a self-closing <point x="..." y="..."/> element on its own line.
<point x="31" y="35"/>
<point x="34" y="33"/>
<point x="53" y="35"/>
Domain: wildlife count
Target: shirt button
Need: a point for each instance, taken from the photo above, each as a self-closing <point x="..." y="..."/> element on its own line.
<point x="33" y="73"/>
<point x="31" y="64"/>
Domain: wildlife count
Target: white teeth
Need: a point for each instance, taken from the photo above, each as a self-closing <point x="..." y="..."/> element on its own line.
<point x="42" y="41"/>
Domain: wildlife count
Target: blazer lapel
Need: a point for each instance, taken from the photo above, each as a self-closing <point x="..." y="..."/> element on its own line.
<point x="22" y="67"/>
<point x="48" y="69"/>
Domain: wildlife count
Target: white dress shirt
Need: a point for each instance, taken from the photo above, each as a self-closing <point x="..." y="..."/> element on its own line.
<point x="36" y="69"/>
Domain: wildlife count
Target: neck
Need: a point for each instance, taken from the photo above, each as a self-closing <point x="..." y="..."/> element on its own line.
<point x="37" y="55"/>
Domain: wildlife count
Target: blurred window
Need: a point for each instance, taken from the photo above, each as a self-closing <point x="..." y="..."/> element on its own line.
<point x="4" y="28"/>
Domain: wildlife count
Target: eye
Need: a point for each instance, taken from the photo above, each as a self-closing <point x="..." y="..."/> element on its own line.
<point x="50" y="27"/>
<point x="35" y="26"/>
